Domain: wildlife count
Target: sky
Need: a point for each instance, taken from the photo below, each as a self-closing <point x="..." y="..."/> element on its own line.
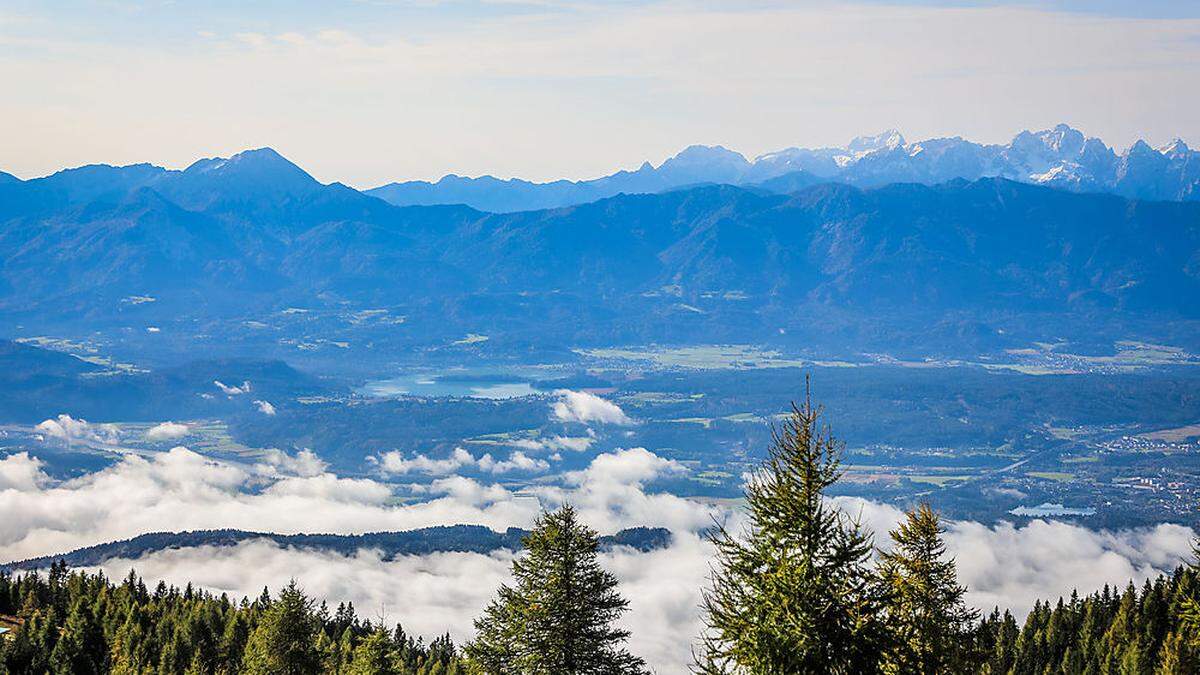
<point x="370" y="91"/>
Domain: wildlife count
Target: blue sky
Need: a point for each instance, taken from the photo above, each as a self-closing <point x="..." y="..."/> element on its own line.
<point x="369" y="91"/>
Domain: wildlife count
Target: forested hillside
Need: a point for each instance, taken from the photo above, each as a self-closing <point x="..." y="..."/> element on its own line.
<point x="439" y="539"/>
<point x="1155" y="629"/>
<point x="73" y="622"/>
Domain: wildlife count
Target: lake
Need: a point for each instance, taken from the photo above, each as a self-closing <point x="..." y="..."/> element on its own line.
<point x="460" y="383"/>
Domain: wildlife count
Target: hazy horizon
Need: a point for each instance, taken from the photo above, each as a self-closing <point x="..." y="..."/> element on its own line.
<point x="629" y="166"/>
<point x="374" y="93"/>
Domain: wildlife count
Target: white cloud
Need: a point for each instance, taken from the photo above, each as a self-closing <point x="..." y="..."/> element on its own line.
<point x="69" y="429"/>
<point x="21" y="472"/>
<point x="265" y="407"/>
<point x="1011" y="567"/>
<point x="396" y="463"/>
<point x="612" y="491"/>
<point x="517" y="461"/>
<point x="463" y="490"/>
<point x="327" y="487"/>
<point x="234" y="390"/>
<point x="305" y="463"/>
<point x="181" y="490"/>
<point x="634" y="466"/>
<point x="580" y="406"/>
<point x="167" y="431"/>
<point x="556" y="443"/>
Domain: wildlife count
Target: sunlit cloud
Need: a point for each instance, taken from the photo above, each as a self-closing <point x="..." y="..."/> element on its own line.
<point x="68" y="429"/>
<point x="585" y="408"/>
<point x="167" y="431"/>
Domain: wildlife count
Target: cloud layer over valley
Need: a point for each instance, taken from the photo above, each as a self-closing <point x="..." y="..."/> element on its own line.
<point x="180" y="490"/>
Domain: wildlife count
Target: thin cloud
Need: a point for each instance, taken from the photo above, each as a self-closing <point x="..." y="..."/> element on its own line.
<point x="556" y="443"/>
<point x="235" y="390"/>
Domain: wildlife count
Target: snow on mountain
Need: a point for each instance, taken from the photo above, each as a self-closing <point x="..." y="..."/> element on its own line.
<point x="863" y="145"/>
<point x="1061" y="157"/>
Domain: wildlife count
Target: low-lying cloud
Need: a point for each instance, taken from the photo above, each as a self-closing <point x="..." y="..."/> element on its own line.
<point x="1002" y="565"/>
<point x="396" y="463"/>
<point x="167" y="431"/>
<point x="582" y="407"/>
<point x="1011" y="567"/>
<point x="556" y="443"/>
<point x="182" y="490"/>
<point x="278" y="463"/>
<point x="67" y="428"/>
<point x="443" y="592"/>
<point x="22" y="473"/>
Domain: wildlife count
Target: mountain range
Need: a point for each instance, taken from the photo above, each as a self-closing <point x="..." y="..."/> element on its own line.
<point x="240" y="246"/>
<point x="1061" y="157"/>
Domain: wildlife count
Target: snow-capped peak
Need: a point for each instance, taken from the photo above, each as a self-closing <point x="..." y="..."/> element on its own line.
<point x="888" y="140"/>
<point x="1175" y="147"/>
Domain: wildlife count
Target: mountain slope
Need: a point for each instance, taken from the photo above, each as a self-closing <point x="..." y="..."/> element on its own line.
<point x="990" y="262"/>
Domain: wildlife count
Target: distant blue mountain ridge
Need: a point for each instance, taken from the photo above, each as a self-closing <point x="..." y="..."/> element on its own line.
<point x="970" y="264"/>
<point x="1061" y="157"/>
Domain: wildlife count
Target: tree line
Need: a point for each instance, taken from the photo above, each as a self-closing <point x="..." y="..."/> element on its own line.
<point x="76" y="622"/>
<point x="799" y="588"/>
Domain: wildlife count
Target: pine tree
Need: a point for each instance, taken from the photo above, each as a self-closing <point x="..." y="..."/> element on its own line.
<point x="558" y="616"/>
<point x="233" y="644"/>
<point x="131" y="646"/>
<point x="794" y="593"/>
<point x="927" y="618"/>
<point x="373" y="656"/>
<point x="1181" y="650"/>
<point x="285" y="641"/>
<point x="1176" y="656"/>
<point x="80" y="647"/>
